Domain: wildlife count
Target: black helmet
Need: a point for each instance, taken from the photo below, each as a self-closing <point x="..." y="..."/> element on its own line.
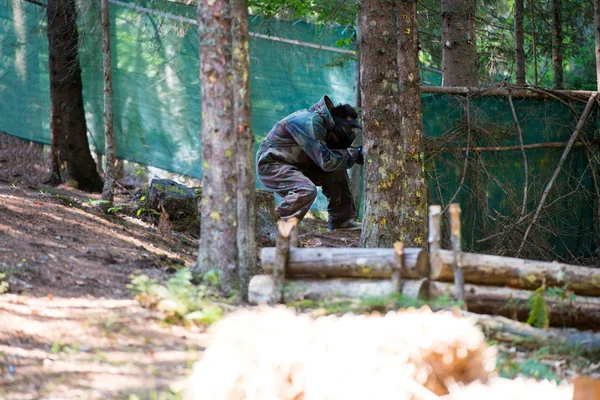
<point x="343" y="133"/>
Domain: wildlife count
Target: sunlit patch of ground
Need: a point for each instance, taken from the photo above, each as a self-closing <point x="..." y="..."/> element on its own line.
<point x="74" y="348"/>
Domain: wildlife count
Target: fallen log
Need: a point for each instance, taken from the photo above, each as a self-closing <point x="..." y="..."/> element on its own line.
<point x="503" y="329"/>
<point x="515" y="272"/>
<point x="580" y="312"/>
<point x="261" y="288"/>
<point x="348" y="262"/>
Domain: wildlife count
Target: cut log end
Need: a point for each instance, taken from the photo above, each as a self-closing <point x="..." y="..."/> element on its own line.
<point x="399" y="248"/>
<point x="286" y="227"/>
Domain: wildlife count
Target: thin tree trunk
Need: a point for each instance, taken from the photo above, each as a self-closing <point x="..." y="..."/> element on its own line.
<point x="218" y="236"/>
<point x="414" y="201"/>
<point x="119" y="168"/>
<point x="557" y="45"/>
<point x="356" y="172"/>
<point x="597" y="35"/>
<point x="459" y="46"/>
<point x="69" y="148"/>
<point x="533" y="43"/>
<point x="246" y="194"/>
<point x="384" y="158"/>
<point x="519" y="42"/>
<point x="109" y="132"/>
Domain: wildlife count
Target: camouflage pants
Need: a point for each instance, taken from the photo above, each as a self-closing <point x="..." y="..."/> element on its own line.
<point x="298" y="188"/>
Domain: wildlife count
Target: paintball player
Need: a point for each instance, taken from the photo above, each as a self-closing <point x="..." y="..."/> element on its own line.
<point x="311" y="148"/>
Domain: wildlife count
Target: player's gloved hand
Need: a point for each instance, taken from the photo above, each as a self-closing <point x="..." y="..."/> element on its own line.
<point x="357" y="155"/>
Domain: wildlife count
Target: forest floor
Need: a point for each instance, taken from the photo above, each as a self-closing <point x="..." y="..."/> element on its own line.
<point x="72" y="329"/>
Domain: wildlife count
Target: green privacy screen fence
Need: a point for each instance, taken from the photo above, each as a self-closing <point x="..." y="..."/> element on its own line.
<point x="158" y="115"/>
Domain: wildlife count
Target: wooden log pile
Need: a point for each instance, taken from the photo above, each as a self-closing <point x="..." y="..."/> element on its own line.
<point x="486" y="284"/>
<point x="579" y="312"/>
<point x="315" y="273"/>
<point x="274" y="353"/>
<point x="504" y="286"/>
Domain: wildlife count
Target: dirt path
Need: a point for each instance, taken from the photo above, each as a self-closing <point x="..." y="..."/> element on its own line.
<point x="69" y="326"/>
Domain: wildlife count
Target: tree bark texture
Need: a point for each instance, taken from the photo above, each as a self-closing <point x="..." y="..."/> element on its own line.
<point x="581" y="312"/>
<point x="520" y="42"/>
<point x="69" y="148"/>
<point x="557" y="45"/>
<point x="246" y="193"/>
<point x="458" y="43"/>
<point x="486" y="269"/>
<point x="348" y="262"/>
<point x="380" y="98"/>
<point x="262" y="288"/>
<point x="109" y="131"/>
<point x="414" y="200"/>
<point x="218" y="237"/>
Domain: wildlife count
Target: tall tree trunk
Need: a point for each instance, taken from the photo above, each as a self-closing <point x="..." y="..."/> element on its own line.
<point x="218" y="235"/>
<point x="109" y="132"/>
<point x="459" y="45"/>
<point x="520" y="42"/>
<point x="414" y="201"/>
<point x="356" y="172"/>
<point x="557" y="45"/>
<point x="597" y="35"/>
<point x="246" y="194"/>
<point x="70" y="150"/>
<point x="533" y="43"/>
<point x="384" y="158"/>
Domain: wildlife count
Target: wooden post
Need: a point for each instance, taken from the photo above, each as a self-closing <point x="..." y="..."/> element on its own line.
<point x="399" y="267"/>
<point x="282" y="252"/>
<point x="434" y="228"/>
<point x="455" y="238"/>
<point x="294" y="236"/>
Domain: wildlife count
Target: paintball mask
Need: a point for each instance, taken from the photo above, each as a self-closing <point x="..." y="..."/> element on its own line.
<point x="343" y="133"/>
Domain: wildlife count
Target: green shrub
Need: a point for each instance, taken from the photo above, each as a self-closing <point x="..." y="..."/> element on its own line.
<point x="181" y="300"/>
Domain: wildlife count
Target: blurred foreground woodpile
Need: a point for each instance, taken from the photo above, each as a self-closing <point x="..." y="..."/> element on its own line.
<point x="273" y="353"/>
<point x="517" y="389"/>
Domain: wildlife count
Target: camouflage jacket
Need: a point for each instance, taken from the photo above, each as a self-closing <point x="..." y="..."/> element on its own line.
<point x="299" y="140"/>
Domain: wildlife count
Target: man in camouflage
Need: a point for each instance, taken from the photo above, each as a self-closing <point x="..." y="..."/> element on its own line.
<point x="311" y="148"/>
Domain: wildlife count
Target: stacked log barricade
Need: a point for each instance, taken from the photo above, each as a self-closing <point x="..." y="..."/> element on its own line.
<point x="487" y="284"/>
<point x="315" y="273"/>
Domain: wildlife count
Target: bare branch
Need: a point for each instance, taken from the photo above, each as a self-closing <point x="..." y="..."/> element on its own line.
<point x="582" y="120"/>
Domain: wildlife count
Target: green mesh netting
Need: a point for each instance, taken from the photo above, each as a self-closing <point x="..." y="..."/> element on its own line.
<point x="158" y="115"/>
